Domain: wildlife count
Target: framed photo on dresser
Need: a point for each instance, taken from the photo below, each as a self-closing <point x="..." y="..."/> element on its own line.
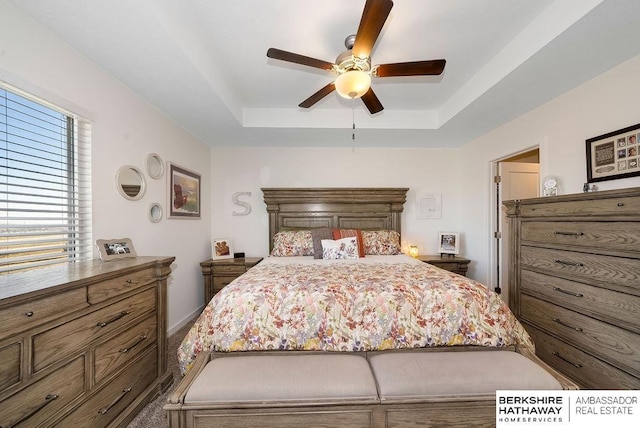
<point x="448" y="243"/>
<point x="221" y="249"/>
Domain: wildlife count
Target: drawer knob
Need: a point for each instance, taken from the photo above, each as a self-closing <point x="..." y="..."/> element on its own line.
<point x="130" y="347"/>
<point x="559" y="321"/>
<point x="29" y="314"/>
<point x="129" y="281"/>
<point x="568" y="263"/>
<point x="620" y="204"/>
<point x="570" y="293"/>
<point x="50" y="398"/>
<point x="104" y="410"/>
<point x="116" y="318"/>
<point x="568" y="233"/>
<point x="576" y="365"/>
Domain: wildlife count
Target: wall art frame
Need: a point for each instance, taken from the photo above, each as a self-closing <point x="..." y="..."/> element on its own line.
<point x="184" y="192"/>
<point x="428" y="205"/>
<point x="614" y="155"/>
<point x="111" y="249"/>
<point x="221" y="248"/>
<point x="448" y="243"/>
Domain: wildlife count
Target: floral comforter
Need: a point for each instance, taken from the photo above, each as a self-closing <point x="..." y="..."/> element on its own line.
<point x="350" y="306"/>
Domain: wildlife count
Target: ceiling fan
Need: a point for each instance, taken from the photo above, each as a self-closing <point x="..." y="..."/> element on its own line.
<point x="353" y="66"/>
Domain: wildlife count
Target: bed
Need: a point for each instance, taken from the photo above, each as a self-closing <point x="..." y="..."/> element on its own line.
<point x="336" y="285"/>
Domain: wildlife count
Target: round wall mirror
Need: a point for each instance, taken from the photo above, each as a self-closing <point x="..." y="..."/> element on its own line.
<point x="154" y="165"/>
<point x="154" y="212"/>
<point x="130" y="182"/>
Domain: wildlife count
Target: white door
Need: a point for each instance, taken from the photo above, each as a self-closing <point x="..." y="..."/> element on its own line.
<point x="517" y="181"/>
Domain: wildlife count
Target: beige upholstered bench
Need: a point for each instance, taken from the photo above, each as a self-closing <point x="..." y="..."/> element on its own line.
<point x="382" y="389"/>
<point x="276" y="390"/>
<point x="452" y="388"/>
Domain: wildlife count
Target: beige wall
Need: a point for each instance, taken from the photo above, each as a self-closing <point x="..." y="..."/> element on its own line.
<point x="125" y="128"/>
<point x="560" y="127"/>
<point x="249" y="169"/>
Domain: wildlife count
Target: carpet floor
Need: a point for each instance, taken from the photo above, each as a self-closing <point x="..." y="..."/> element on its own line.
<point x="153" y="416"/>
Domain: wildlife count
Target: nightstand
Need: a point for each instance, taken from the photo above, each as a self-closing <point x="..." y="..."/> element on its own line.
<point x="219" y="273"/>
<point x="451" y="263"/>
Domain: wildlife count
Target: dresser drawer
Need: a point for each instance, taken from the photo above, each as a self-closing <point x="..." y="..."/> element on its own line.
<point x="100" y="409"/>
<point x="609" y="306"/>
<point x="589" y="371"/>
<point x="41" y="400"/>
<point x="614" y="345"/>
<point x="219" y="282"/>
<point x="116" y="352"/>
<point x="23" y="316"/>
<point x="616" y="273"/>
<point x="588" y="235"/>
<point x="56" y="343"/>
<point x="123" y="284"/>
<point x="229" y="270"/>
<point x="10" y="359"/>
<point x="621" y="206"/>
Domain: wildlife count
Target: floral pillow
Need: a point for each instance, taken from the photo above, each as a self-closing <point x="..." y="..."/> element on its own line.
<point x="292" y="243"/>
<point x="345" y="248"/>
<point x="381" y="242"/>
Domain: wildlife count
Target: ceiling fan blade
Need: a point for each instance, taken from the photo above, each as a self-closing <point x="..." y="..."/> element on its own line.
<point x="372" y="102"/>
<point x="299" y="59"/>
<point x="318" y="95"/>
<point x="374" y="15"/>
<point x="416" y="68"/>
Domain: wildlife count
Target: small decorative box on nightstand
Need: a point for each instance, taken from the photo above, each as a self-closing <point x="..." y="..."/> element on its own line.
<point x="451" y="263"/>
<point x="219" y="273"/>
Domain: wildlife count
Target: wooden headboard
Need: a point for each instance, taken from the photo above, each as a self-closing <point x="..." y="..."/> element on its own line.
<point x="347" y="208"/>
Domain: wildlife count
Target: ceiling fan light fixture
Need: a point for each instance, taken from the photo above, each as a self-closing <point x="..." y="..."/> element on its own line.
<point x="353" y="84"/>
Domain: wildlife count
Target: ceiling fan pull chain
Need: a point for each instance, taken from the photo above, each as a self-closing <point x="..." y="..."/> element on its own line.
<point x="353" y="121"/>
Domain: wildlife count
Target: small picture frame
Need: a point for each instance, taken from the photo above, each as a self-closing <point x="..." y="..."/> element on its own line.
<point x="448" y="243"/>
<point x="111" y="249"/>
<point x="184" y="193"/>
<point x="614" y="155"/>
<point x="221" y="249"/>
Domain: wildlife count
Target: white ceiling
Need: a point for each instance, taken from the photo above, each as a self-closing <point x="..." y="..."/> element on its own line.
<point x="204" y="63"/>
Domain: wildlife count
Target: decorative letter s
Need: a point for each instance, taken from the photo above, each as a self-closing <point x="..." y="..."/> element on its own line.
<point x="246" y="205"/>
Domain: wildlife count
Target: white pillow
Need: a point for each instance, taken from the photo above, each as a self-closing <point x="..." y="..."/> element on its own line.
<point x="345" y="248"/>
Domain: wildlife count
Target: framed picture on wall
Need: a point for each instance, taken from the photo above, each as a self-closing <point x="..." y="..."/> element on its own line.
<point x="428" y="205"/>
<point x="614" y="155"/>
<point x="184" y="192"/>
<point x="448" y="243"/>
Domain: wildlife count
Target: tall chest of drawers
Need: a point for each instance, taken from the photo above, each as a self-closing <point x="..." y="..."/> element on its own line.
<point x="83" y="345"/>
<point x="574" y="278"/>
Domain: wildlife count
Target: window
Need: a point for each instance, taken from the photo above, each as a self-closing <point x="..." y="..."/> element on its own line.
<point x="45" y="184"/>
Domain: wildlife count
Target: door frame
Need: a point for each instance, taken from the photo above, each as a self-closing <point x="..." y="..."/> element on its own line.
<point x="494" y="215"/>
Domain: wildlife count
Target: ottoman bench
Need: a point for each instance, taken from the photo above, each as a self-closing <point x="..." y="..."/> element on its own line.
<point x="437" y="389"/>
<point x="379" y="389"/>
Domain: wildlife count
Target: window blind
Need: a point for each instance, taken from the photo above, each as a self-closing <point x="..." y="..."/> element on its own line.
<point x="45" y="184"/>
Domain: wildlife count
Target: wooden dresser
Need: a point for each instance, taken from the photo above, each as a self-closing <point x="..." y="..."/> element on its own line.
<point x="219" y="273"/>
<point x="451" y="263"/>
<point x="575" y="283"/>
<point x="83" y="345"/>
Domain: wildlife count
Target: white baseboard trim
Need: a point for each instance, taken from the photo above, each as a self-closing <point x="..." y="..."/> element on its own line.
<point x="189" y="318"/>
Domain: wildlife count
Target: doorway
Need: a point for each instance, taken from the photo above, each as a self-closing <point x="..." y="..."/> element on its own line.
<point x="514" y="177"/>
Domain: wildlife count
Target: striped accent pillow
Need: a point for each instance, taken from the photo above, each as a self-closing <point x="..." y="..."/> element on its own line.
<point x="350" y="233"/>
